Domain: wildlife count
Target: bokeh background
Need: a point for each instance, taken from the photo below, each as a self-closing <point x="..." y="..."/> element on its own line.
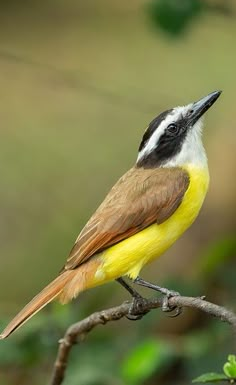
<point x="79" y="82"/>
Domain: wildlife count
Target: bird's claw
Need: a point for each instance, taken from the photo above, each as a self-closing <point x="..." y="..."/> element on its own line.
<point x="135" y="312"/>
<point x="166" y="306"/>
<point x="133" y="317"/>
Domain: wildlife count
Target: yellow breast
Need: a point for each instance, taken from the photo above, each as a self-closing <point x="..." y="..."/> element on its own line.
<point x="129" y="256"/>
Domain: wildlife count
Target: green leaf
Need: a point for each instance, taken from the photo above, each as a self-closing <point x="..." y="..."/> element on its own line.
<point x="144" y="360"/>
<point x="173" y="16"/>
<point x="230" y="367"/>
<point x="211" y="377"/>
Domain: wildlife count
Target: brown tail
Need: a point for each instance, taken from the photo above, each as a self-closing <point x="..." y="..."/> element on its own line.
<point x="49" y="293"/>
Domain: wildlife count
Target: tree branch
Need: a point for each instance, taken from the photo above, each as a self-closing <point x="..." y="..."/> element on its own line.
<point x="78" y="331"/>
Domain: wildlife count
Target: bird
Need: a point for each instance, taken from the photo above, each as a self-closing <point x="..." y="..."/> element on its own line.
<point x="144" y="213"/>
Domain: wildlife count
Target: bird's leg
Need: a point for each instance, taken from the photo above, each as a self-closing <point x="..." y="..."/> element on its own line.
<point x="167" y="293"/>
<point x="137" y="300"/>
<point x="162" y="290"/>
<point x="129" y="288"/>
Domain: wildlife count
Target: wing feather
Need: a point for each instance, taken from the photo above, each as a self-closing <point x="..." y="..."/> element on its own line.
<point x="140" y="198"/>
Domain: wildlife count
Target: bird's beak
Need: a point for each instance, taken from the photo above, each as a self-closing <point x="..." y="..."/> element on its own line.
<point x="201" y="106"/>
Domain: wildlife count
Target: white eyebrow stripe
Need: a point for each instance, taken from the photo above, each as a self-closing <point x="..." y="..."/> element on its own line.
<point x="152" y="141"/>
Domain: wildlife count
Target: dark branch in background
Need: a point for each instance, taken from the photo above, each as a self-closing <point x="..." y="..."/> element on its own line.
<point x="81" y="82"/>
<point x="76" y="332"/>
<point x="224" y="8"/>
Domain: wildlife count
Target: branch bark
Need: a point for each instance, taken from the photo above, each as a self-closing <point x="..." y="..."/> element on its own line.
<point x="76" y="332"/>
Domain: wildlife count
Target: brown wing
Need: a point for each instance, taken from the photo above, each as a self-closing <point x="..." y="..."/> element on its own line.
<point x="140" y="198"/>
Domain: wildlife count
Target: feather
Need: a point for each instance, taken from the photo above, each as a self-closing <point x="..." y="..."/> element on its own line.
<point x="49" y="293"/>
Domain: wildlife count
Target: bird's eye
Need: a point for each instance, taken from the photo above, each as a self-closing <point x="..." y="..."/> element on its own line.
<point x="173" y="129"/>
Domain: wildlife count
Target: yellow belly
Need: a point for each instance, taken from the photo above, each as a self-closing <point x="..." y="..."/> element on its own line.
<point x="130" y="255"/>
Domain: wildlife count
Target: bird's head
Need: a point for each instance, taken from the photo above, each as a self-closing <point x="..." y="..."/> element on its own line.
<point x="173" y="138"/>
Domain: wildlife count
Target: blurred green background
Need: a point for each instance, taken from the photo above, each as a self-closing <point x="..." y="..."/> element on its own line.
<point x="79" y="82"/>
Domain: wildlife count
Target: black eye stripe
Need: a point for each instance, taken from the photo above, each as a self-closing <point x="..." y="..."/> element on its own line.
<point x="169" y="143"/>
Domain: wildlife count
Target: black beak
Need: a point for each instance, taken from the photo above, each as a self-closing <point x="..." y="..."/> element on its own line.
<point x="201" y="106"/>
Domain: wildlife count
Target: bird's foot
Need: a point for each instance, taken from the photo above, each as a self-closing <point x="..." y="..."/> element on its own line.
<point x="166" y="307"/>
<point x="136" y="312"/>
<point x="167" y="295"/>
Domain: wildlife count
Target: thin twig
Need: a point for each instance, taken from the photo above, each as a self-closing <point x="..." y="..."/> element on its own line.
<point x="78" y="330"/>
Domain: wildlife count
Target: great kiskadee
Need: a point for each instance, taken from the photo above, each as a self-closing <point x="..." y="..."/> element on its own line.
<point x="144" y="213"/>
